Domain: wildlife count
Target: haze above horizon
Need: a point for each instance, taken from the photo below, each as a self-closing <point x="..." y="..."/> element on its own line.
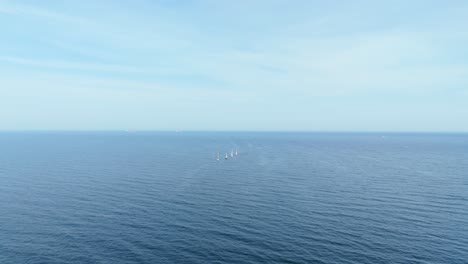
<point x="234" y="65"/>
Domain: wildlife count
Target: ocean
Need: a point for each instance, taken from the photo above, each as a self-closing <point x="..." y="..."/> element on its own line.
<point x="162" y="197"/>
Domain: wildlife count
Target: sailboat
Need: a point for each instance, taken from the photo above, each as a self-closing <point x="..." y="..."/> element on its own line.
<point x="232" y="153"/>
<point x="217" y="156"/>
<point x="226" y="156"/>
<point x="236" y="152"/>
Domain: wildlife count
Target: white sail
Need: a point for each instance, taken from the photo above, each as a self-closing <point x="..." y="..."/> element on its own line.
<point x="236" y="152"/>
<point x="217" y="156"/>
<point x="232" y="153"/>
<point x="226" y="156"/>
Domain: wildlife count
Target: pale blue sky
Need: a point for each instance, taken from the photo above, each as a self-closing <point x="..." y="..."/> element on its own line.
<point x="234" y="65"/>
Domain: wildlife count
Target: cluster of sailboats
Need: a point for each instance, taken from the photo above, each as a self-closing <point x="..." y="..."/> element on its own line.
<point x="227" y="156"/>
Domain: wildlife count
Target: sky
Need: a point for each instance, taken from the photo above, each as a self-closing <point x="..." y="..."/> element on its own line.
<point x="234" y="65"/>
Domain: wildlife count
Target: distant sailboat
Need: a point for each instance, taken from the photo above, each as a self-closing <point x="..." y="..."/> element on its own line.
<point x="226" y="156"/>
<point x="217" y="156"/>
<point x="232" y="153"/>
<point x="236" y="152"/>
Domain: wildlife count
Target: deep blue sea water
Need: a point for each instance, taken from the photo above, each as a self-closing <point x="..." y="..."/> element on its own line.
<point x="161" y="197"/>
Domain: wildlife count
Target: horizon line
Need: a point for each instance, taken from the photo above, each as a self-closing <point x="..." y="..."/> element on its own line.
<point x="230" y="131"/>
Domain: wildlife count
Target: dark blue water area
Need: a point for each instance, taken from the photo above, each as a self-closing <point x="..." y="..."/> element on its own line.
<point x="162" y="197"/>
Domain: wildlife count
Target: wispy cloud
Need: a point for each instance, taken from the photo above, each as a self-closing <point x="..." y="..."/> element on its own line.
<point x="93" y="67"/>
<point x="18" y="9"/>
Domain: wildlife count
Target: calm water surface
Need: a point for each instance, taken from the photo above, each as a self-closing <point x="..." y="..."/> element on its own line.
<point x="110" y="197"/>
